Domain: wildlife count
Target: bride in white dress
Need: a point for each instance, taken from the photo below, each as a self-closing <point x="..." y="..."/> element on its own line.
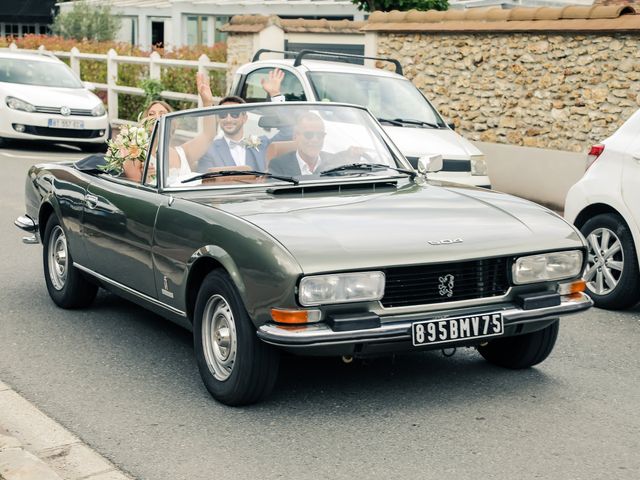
<point x="181" y="157"/>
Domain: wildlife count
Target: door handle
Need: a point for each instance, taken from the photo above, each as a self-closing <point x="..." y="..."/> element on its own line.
<point x="636" y="158"/>
<point x="91" y="201"/>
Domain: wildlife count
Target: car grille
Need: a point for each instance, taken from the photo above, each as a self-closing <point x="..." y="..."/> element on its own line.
<point x="447" y="164"/>
<point x="62" y="132"/>
<point x="425" y="284"/>
<point x="56" y="111"/>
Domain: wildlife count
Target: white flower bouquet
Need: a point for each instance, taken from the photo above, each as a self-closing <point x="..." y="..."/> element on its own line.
<point x="132" y="143"/>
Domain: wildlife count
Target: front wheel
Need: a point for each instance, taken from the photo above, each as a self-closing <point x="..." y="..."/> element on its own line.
<point x="67" y="286"/>
<point x="236" y="367"/>
<point x="521" y="351"/>
<point x="612" y="275"/>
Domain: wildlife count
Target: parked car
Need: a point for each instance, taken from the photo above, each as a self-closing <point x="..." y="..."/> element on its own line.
<point x="42" y="99"/>
<point x="605" y="205"/>
<point x="363" y="257"/>
<point x="406" y="114"/>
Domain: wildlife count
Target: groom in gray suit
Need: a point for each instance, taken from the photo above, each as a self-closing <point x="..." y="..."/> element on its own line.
<point x="233" y="149"/>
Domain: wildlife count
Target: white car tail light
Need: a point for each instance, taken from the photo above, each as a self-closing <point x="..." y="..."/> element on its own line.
<point x="594" y="153"/>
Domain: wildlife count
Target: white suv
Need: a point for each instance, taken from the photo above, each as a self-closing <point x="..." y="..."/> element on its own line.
<point x="42" y="99"/>
<point x="605" y="206"/>
<point x="407" y="116"/>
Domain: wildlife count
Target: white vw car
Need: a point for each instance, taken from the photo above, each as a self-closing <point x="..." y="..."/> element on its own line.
<point x="605" y="206"/>
<point x="42" y="99"/>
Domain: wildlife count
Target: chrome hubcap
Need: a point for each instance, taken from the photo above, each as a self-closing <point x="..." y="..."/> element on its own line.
<point x="605" y="261"/>
<point x="219" y="337"/>
<point x="58" y="258"/>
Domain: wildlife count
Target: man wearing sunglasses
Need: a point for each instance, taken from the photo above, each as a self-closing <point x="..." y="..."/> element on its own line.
<point x="308" y="158"/>
<point x="232" y="149"/>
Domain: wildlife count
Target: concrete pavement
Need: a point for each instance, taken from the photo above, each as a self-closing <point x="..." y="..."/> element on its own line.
<point x="34" y="447"/>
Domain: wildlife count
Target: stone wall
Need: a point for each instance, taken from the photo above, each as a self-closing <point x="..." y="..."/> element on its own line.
<point x="549" y="90"/>
<point x="240" y="50"/>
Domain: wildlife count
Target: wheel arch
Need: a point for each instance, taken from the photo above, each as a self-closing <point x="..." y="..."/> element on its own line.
<point x="596" y="209"/>
<point x="206" y="260"/>
<point x="46" y="210"/>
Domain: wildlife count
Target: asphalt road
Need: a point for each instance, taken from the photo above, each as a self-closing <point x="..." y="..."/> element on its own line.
<point x="126" y="382"/>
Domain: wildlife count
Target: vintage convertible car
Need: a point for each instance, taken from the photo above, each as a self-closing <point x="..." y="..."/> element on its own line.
<point x="354" y="255"/>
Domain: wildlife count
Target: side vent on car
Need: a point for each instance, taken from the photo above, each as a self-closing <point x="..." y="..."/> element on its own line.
<point x="594" y="152"/>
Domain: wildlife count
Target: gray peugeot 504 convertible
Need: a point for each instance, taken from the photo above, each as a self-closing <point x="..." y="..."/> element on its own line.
<point x="322" y="241"/>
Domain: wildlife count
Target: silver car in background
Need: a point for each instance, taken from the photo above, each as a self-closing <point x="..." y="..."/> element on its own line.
<point x="407" y="116"/>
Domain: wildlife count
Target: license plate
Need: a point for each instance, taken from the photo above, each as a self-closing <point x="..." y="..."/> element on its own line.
<point x="443" y="330"/>
<point x="64" y="123"/>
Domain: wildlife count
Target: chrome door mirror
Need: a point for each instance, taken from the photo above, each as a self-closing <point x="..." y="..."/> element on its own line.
<point x="430" y="163"/>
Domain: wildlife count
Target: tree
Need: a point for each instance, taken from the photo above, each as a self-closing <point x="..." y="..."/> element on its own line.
<point x="388" y="5"/>
<point x="86" y="21"/>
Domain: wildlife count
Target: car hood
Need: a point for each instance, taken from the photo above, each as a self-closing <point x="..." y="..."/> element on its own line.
<point x="409" y="225"/>
<point x="50" y="96"/>
<point x="415" y="142"/>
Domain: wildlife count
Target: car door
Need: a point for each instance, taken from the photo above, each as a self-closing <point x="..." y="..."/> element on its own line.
<point x="251" y="89"/>
<point x="631" y="181"/>
<point x="119" y="220"/>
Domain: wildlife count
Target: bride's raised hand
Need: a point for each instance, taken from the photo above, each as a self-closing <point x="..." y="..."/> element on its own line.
<point x="204" y="89"/>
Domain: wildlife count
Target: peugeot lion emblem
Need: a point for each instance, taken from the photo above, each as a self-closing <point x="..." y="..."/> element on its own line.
<point x="65" y="111"/>
<point x="445" y="289"/>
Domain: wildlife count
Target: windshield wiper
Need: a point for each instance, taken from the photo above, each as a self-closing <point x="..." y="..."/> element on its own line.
<point x="366" y="166"/>
<point x="399" y="122"/>
<point x="229" y="173"/>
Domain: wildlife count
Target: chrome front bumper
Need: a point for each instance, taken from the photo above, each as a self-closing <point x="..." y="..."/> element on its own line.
<point x="321" y="334"/>
<point x="26" y="224"/>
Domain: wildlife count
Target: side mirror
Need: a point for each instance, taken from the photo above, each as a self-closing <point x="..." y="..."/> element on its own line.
<point x="430" y="163"/>
<point x="89" y="86"/>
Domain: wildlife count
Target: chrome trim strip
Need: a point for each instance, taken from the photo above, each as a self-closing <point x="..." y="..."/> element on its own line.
<point x="130" y="290"/>
<point x="322" y="334"/>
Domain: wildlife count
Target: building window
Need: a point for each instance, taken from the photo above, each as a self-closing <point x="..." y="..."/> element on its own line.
<point x="43" y="30"/>
<point x="12" y="30"/>
<point x="27" y="29"/>
<point x="197" y="30"/>
<point x="157" y="34"/>
<point x="220" y="22"/>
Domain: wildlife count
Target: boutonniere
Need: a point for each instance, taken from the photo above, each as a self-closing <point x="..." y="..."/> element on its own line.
<point x="252" y="141"/>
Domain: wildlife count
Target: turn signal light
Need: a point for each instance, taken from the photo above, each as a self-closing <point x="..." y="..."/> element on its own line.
<point x="571" y="288"/>
<point x="295" y="317"/>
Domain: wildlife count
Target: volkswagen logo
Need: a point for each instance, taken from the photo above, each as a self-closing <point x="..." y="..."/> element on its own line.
<point x="65" y="111"/>
<point x="445" y="288"/>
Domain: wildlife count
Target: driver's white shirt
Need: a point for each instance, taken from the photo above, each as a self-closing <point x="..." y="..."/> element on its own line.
<point x="304" y="166"/>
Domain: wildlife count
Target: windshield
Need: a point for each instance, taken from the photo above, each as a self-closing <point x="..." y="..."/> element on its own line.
<point x="34" y="72"/>
<point x="292" y="143"/>
<point x="386" y="97"/>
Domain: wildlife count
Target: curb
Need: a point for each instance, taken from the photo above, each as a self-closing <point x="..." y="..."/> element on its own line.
<point x="35" y="447"/>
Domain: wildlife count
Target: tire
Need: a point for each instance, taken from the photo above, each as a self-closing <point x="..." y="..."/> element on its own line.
<point x="236" y="367"/>
<point x="612" y="274"/>
<point x="521" y="351"/>
<point x="67" y="286"/>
